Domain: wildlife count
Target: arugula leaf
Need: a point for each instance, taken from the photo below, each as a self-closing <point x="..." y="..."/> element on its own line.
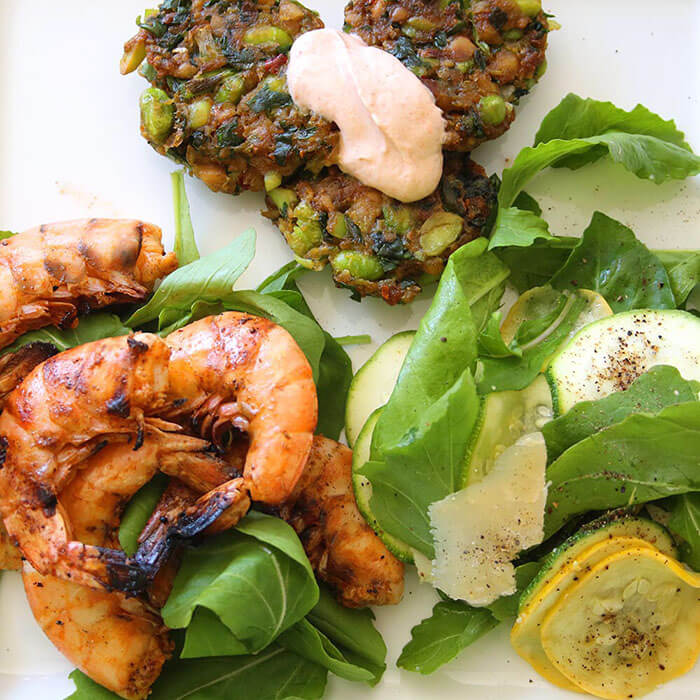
<point x="506" y="608"/>
<point x="518" y="227"/>
<point x="282" y="278"/>
<point x="425" y="467"/>
<point x="92" y="327"/>
<point x="452" y="626"/>
<point x="274" y="674"/>
<point x="661" y="386"/>
<point x="445" y="344"/>
<point x="209" y="279"/>
<point x="683" y="268"/>
<point x="610" y="260"/>
<point x="685" y="522"/>
<point x="304" y="639"/>
<point x="643" y="458"/>
<point x="185" y="244"/>
<point x="352" y="631"/>
<point x="138" y="512"/>
<point x="491" y="343"/>
<point x="87" y="689"/>
<point x="647" y="157"/>
<point x="256" y="580"/>
<point x="575" y="117"/>
<point x="536" y="264"/>
<point x="345" y="340"/>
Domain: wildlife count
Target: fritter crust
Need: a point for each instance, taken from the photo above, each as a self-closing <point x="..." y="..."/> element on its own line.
<point x="463" y="52"/>
<point x="399" y="246"/>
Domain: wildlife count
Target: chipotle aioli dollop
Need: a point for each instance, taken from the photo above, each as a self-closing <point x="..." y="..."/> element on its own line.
<point x="391" y="130"/>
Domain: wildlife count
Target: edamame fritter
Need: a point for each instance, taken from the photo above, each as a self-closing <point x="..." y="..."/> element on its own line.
<point x="478" y="58"/>
<point x="219" y="101"/>
<point x="376" y="245"/>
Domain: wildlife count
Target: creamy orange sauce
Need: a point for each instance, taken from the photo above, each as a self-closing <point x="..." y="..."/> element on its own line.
<point x="391" y="130"/>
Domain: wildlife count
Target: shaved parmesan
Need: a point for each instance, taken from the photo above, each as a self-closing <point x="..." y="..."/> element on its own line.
<point x="479" y="530"/>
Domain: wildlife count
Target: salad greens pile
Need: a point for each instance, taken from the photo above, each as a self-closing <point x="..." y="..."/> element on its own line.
<point x="421" y="443"/>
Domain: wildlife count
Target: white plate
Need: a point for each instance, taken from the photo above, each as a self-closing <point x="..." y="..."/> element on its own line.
<point x="69" y="147"/>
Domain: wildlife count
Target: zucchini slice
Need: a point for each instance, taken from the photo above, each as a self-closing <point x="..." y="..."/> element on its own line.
<point x="608" y="355"/>
<point x="504" y="418"/>
<point x="363" y="490"/>
<point x="371" y="387"/>
<point x="628" y="625"/>
<point x="539" y="301"/>
<point x="563" y="567"/>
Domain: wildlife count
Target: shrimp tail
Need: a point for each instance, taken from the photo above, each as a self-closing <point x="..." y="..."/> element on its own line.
<point x="180" y="516"/>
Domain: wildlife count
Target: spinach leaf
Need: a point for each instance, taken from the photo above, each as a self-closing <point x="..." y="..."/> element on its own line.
<point x="643" y="458"/>
<point x="685" y="522"/>
<point x="445" y="344"/>
<point x="185" y="243"/>
<point x="92" y="327"/>
<point x="352" y="631"/>
<point x="661" y="386"/>
<point x="138" y="512"/>
<point x="452" y="627"/>
<point x="425" y="467"/>
<point x="256" y="580"/>
<point x="683" y="268"/>
<point x="610" y="260"/>
<point x="274" y="674"/>
<point x="209" y="279"/>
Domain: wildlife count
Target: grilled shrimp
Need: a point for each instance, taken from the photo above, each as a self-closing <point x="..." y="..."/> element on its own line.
<point x="119" y="641"/>
<point x="224" y="374"/>
<point x="245" y="373"/>
<point x="343" y="549"/>
<point x="51" y="273"/>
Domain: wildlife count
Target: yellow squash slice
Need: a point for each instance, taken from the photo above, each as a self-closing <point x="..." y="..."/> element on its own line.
<point x="526" y="633"/>
<point x="629" y="624"/>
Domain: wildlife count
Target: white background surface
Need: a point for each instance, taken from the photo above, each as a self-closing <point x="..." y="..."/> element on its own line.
<point x="69" y="147"/>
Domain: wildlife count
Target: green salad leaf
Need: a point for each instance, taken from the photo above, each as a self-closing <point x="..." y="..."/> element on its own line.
<point x="653" y="391"/>
<point x="256" y="580"/>
<point x="445" y="344"/>
<point x="491" y="343"/>
<point x="683" y="268"/>
<point x="575" y="133"/>
<point x="519" y="227"/>
<point x="419" y="443"/>
<point x="575" y="117"/>
<point x="92" y="327"/>
<point x="274" y="674"/>
<point x="352" y="631"/>
<point x="610" y="260"/>
<point x="185" y="244"/>
<point x="685" y="522"/>
<point x="538" y="339"/>
<point x="138" y="512"/>
<point x="643" y="458"/>
<point x="452" y="626"/>
<point x="208" y="279"/>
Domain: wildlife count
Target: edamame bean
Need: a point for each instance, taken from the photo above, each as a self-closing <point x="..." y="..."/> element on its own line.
<point x="492" y="109"/>
<point x="272" y="181"/>
<point x="230" y="90"/>
<point x="267" y="34"/>
<point x="283" y="199"/>
<point x="157" y="114"/>
<point x="530" y="7"/>
<point x="439" y="231"/>
<point x="359" y="265"/>
<point x="198" y="113"/>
